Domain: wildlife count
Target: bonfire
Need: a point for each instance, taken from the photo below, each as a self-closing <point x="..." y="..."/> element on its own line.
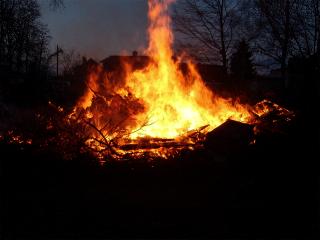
<point x="158" y="109"/>
<point x="155" y="111"/>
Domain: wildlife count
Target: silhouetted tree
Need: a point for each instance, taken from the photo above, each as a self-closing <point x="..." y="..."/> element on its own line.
<point x="307" y="32"/>
<point x="23" y="38"/>
<point x="208" y="27"/>
<point x="276" y="29"/>
<point x="277" y="26"/>
<point x="55" y="4"/>
<point x="70" y="60"/>
<point x="284" y="29"/>
<point x="241" y="65"/>
<point x="23" y="52"/>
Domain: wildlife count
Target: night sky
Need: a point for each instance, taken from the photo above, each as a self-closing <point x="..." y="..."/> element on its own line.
<point x="98" y="28"/>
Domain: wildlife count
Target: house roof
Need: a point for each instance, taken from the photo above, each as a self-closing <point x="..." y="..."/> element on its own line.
<point x="114" y="62"/>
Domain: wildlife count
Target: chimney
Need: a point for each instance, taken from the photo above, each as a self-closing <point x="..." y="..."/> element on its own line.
<point x="134" y="53"/>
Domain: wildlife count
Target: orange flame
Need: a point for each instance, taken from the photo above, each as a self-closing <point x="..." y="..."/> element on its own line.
<point x="160" y="109"/>
<point x="173" y="102"/>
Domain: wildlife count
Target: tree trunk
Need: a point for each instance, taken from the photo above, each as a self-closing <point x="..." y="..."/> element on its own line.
<point x="284" y="52"/>
<point x="223" y="51"/>
<point x="317" y="28"/>
<point x="40" y="55"/>
<point x="1" y="32"/>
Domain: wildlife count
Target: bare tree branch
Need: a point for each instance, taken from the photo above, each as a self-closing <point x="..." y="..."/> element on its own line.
<point x="209" y="24"/>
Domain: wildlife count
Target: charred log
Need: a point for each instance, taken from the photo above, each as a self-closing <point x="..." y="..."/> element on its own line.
<point x="230" y="136"/>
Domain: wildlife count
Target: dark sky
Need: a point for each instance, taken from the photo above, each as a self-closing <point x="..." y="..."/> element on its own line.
<point x="98" y="28"/>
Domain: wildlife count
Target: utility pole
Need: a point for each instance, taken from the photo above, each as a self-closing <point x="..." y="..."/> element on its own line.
<point x="56" y="54"/>
<point x="57" y="61"/>
<point x="59" y="50"/>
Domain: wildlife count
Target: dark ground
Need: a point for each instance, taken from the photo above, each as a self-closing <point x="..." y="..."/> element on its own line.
<point x="265" y="190"/>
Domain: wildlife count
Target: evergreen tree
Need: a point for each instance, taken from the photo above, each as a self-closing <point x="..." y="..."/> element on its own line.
<point x="241" y="65"/>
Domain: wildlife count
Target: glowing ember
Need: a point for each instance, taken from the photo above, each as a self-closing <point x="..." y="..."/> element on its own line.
<point x="12" y="138"/>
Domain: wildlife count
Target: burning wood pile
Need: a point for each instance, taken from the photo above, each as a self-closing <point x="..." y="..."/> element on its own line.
<point x="156" y="111"/>
<point x="159" y="109"/>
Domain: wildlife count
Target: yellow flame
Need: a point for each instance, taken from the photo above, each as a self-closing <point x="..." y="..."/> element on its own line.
<point x="174" y="101"/>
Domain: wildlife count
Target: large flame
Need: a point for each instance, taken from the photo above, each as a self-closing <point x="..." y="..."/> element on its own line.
<point x="174" y="101"/>
<point x="158" y="109"/>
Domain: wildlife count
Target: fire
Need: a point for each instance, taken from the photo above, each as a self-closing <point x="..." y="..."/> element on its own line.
<point x="172" y="102"/>
<point x="175" y="102"/>
<point x="153" y="111"/>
